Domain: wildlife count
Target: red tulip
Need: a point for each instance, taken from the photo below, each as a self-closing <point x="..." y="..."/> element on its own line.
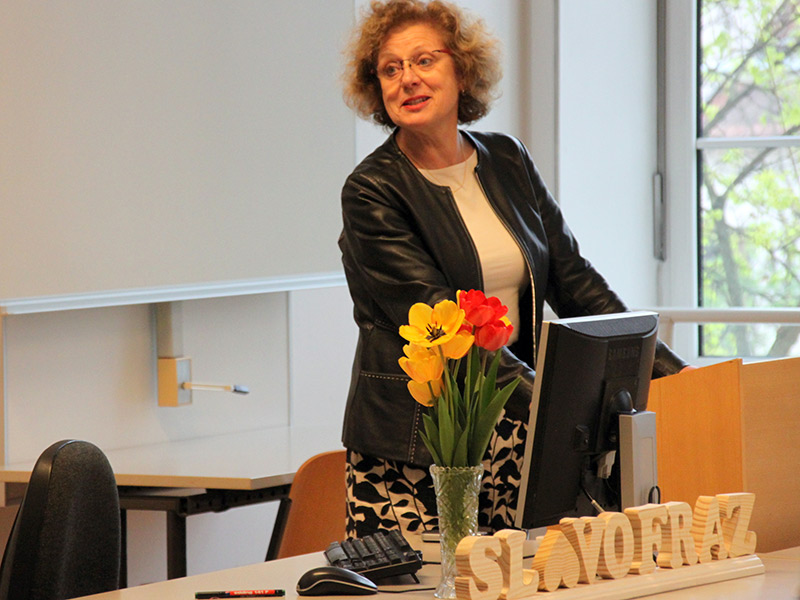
<point x="494" y="335"/>
<point x="480" y="310"/>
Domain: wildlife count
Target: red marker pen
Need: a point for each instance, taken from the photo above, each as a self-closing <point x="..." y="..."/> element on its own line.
<point x="239" y="594"/>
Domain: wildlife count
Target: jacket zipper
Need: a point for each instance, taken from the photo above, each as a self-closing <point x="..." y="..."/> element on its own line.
<point x="475" y="255"/>
<point x="513" y="235"/>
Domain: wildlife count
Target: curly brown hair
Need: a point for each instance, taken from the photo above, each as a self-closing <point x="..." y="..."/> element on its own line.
<point x="474" y="50"/>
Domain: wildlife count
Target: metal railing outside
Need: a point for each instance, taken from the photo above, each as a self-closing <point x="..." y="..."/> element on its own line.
<point x="670" y="316"/>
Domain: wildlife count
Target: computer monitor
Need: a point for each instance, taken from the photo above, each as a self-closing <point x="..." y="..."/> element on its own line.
<point x="589" y="370"/>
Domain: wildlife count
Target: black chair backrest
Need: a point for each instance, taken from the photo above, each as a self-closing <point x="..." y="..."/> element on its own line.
<point x="65" y="541"/>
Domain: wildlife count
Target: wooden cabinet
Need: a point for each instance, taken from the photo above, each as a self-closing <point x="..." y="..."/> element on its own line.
<point x="734" y="427"/>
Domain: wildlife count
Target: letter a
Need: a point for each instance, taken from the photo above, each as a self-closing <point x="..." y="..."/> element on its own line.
<point x="707" y="530"/>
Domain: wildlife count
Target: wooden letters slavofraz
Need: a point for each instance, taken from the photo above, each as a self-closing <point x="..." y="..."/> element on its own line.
<point x="609" y="546"/>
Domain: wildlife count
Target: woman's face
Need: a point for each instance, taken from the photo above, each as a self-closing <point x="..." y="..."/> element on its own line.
<point x="420" y="99"/>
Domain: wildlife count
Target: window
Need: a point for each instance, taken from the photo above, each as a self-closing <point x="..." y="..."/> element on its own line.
<point x="748" y="169"/>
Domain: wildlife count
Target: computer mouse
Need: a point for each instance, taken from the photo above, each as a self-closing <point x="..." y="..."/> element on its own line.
<point x="334" y="581"/>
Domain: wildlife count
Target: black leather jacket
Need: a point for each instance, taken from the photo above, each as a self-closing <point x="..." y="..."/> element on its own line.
<point x="404" y="242"/>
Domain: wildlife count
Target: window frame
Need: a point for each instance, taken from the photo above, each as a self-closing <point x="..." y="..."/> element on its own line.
<point x="680" y="158"/>
<point x="679" y="275"/>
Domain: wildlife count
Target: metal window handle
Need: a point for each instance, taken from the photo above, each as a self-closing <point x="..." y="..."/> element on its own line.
<point x="211" y="387"/>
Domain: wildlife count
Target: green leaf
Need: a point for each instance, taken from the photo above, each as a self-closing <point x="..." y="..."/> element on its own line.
<point x="487" y="421"/>
<point x="460" y="458"/>
<point x="432" y="434"/>
<point x="446" y="434"/>
<point x="432" y="448"/>
<point x="490" y="383"/>
<point x="473" y="374"/>
<point x="470" y="374"/>
<point x="461" y="410"/>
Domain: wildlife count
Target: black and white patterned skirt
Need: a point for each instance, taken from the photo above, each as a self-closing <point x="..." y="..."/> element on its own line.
<point x="388" y="494"/>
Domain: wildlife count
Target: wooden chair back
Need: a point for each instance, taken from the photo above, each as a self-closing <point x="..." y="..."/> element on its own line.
<point x="313" y="515"/>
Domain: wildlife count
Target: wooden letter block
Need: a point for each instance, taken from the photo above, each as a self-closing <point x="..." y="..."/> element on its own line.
<point x="586" y="547"/>
<point x="518" y="582"/>
<point x="479" y="577"/>
<point x="735" y="512"/>
<point x="646" y="522"/>
<point x="556" y="561"/>
<point x="677" y="543"/>
<point x="616" y="551"/>
<point x="707" y="530"/>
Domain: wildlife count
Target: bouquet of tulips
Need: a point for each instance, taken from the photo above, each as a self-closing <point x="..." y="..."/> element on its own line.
<point x="459" y="424"/>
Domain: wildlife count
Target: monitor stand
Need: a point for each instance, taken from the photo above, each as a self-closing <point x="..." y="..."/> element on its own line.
<point x="637" y="460"/>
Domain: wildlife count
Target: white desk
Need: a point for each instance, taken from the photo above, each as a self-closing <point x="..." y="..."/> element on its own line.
<point x="202" y="475"/>
<point x="780" y="582"/>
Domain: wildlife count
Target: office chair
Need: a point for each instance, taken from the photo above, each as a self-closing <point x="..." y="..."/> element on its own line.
<point x="65" y="541"/>
<point x="313" y="515"/>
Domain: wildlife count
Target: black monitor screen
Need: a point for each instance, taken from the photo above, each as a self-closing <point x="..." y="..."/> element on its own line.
<point x="589" y="369"/>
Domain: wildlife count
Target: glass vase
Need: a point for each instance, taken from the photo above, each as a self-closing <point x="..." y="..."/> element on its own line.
<point x="457" y="491"/>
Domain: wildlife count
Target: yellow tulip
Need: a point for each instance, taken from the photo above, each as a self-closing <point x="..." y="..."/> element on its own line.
<point x="435" y="326"/>
<point x="420" y="363"/>
<point x="421" y="392"/>
<point x="459" y="345"/>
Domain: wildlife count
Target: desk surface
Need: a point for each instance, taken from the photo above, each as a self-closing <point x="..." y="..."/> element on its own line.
<point x="780" y="582"/>
<point x="248" y="460"/>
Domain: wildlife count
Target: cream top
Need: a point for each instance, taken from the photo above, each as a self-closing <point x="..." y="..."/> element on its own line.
<point x="504" y="271"/>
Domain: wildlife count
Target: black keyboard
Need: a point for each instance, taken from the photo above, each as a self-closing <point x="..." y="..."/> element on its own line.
<point x="382" y="554"/>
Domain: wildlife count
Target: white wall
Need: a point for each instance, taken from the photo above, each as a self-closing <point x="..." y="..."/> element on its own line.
<point x="121" y="119"/>
<point x="68" y="371"/>
<point x="607" y="137"/>
<point x="90" y="373"/>
<point x="539" y="78"/>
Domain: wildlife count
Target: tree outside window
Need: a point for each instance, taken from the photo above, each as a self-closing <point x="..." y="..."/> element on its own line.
<point x="749" y="169"/>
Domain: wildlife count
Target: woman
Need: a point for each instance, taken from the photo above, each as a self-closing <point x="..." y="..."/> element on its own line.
<point x="433" y="210"/>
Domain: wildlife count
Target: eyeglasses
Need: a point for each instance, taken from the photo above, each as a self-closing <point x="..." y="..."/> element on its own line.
<point x="423" y="62"/>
